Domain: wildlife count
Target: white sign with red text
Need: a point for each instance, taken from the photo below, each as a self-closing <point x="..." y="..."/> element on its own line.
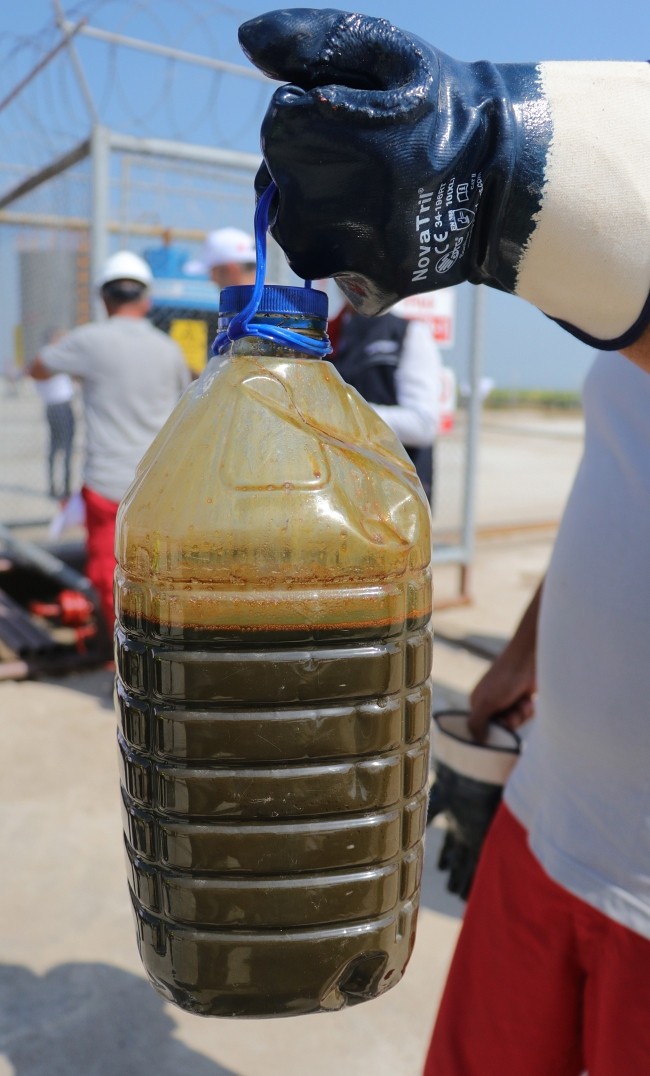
<point x="447" y="413"/>
<point x="437" y="308"/>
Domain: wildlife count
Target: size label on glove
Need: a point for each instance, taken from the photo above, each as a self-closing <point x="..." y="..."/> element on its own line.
<point x="444" y="220"/>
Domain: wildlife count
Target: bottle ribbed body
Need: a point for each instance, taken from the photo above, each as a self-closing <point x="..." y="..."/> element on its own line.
<point x="273" y="651"/>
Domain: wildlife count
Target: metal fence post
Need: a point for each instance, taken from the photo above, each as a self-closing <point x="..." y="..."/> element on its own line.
<point x="474" y="408"/>
<point x="100" y="153"/>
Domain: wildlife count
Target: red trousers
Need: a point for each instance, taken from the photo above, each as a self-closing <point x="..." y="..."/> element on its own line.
<point x="100" y="550"/>
<point x="541" y="984"/>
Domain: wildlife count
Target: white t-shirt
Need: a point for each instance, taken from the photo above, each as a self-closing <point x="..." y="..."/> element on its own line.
<point x="132" y="376"/>
<point x="54" y="390"/>
<point x="415" y="416"/>
<point x="582" y="786"/>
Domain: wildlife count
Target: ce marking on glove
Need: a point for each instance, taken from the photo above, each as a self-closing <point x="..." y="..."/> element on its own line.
<point x="440" y="237"/>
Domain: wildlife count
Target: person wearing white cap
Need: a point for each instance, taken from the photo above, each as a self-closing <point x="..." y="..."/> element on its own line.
<point x="132" y="376"/>
<point x="228" y="258"/>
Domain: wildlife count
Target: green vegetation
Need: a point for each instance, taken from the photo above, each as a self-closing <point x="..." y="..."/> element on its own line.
<point x="538" y="399"/>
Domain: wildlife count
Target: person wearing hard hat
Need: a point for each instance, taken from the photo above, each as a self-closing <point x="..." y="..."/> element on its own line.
<point x="132" y="376"/>
<point x="228" y="258"/>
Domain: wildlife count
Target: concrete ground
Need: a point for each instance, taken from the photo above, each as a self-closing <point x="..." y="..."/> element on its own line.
<point x="74" y="1000"/>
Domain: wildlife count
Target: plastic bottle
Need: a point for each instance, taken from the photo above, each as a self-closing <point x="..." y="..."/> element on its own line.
<point x="273" y="649"/>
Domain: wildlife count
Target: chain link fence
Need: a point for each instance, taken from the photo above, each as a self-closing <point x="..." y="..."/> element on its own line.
<point x="156" y="205"/>
<point x="63" y="212"/>
<point x="159" y="203"/>
<point x="44" y="255"/>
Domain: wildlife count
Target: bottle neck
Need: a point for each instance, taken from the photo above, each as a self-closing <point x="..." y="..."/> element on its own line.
<point x="310" y="328"/>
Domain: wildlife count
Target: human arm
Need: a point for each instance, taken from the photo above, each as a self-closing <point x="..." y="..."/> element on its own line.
<point x="639" y="351"/>
<point x="508" y="687"/>
<point x="402" y="170"/>
<point x="66" y="354"/>
<point x="39" y="371"/>
<point x="414" y="418"/>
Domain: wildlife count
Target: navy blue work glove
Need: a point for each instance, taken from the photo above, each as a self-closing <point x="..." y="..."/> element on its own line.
<point x="385" y="152"/>
<point x="401" y="170"/>
<point x="469" y="808"/>
<point x="467" y="789"/>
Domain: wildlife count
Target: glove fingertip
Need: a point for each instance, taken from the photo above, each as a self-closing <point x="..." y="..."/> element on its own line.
<point x="286" y="43"/>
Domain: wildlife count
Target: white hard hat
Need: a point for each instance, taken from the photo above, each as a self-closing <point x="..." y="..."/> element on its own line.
<point x="221" y="247"/>
<point x="125" y="266"/>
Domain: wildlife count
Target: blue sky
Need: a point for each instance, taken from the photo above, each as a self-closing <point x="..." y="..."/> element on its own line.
<point x="521" y="347"/>
<point x="505" y="30"/>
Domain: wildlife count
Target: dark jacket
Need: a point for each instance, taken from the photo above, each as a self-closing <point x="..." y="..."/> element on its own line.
<point x="367" y="355"/>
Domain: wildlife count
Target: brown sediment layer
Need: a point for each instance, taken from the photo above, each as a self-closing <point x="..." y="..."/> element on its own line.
<point x="269" y="633"/>
<point x="274" y="801"/>
<point x="168" y="609"/>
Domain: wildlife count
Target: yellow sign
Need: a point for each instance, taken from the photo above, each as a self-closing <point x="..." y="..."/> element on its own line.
<point x="191" y="335"/>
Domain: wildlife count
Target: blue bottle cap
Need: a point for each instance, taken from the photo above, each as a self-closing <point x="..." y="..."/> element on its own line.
<point x="275" y="299"/>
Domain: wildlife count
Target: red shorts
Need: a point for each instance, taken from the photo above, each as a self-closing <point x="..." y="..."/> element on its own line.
<point x="541" y="984"/>
<point x="100" y="550"/>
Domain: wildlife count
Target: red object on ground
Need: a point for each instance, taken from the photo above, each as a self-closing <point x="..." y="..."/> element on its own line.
<point x="73" y="610"/>
<point x="540" y="983"/>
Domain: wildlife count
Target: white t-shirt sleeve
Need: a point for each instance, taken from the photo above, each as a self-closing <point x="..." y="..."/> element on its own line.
<point x="414" y="419"/>
<point x="69" y="355"/>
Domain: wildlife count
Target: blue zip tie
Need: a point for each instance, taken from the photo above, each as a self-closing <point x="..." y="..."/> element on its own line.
<point x="242" y="324"/>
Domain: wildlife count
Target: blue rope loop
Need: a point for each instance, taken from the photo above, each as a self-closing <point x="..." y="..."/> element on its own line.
<point x="242" y="324"/>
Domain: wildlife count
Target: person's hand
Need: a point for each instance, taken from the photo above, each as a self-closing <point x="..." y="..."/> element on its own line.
<point x="401" y="170"/>
<point x="378" y="186"/>
<point x="505" y="694"/>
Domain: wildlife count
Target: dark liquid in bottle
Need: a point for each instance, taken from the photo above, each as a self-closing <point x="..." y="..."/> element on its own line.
<point x="274" y="807"/>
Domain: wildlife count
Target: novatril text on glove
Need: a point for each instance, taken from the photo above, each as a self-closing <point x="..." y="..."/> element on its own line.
<point x="401" y="170"/>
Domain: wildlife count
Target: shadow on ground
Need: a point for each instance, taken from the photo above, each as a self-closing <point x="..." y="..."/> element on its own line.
<point x="90" y="1020"/>
<point x="97" y="683"/>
